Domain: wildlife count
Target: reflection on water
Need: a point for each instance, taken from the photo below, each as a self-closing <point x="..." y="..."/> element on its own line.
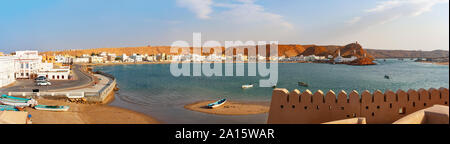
<point x="152" y="89"/>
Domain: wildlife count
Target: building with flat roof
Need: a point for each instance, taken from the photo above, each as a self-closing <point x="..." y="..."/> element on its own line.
<point x="27" y="64"/>
<point x="6" y="70"/>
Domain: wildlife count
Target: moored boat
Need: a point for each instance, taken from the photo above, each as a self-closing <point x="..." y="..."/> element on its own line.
<point x="303" y="84"/>
<point x="217" y="103"/>
<point x="247" y="86"/>
<point x="51" y="108"/>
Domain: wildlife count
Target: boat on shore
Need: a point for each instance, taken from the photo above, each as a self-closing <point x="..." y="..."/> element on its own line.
<point x="217" y="103"/>
<point x="303" y="84"/>
<point x="52" y="108"/>
<point x="18" y="103"/>
<point x="247" y="86"/>
<point x="15" y="98"/>
<point x="8" y="108"/>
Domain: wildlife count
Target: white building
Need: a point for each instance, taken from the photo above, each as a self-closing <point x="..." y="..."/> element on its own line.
<point x="81" y="60"/>
<point x="26" y="64"/>
<point x="6" y="70"/>
<point x="340" y="59"/>
<point x="56" y="74"/>
<point x="137" y="58"/>
<point x="124" y="58"/>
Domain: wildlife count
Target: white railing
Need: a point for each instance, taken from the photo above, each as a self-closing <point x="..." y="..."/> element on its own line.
<point x="46" y="94"/>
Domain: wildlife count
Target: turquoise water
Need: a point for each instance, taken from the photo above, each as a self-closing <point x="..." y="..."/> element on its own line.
<point x="151" y="89"/>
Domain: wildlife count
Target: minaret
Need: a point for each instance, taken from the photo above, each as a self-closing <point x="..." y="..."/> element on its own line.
<point x="339" y="52"/>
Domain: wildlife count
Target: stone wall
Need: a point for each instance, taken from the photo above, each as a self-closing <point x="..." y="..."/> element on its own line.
<point x="297" y="107"/>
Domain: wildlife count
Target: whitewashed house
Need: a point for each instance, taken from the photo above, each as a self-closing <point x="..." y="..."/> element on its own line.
<point x="7" y="70"/>
<point x="26" y="64"/>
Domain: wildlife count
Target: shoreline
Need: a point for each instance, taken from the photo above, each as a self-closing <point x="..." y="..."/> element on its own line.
<point x="88" y="114"/>
<point x="436" y="63"/>
<point x="230" y="108"/>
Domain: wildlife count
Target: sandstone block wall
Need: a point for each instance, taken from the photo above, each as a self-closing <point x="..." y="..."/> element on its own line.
<point x="297" y="107"/>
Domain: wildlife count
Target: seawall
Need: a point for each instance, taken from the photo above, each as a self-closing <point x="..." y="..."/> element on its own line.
<point x="297" y="107"/>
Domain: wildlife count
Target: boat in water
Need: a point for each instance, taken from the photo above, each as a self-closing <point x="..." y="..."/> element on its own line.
<point x="217" y="103"/>
<point x="52" y="108"/>
<point x="303" y="84"/>
<point x="8" y="108"/>
<point x="247" y="86"/>
<point x="387" y="77"/>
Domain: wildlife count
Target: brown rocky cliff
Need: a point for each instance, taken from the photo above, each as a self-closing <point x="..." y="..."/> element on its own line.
<point x="283" y="50"/>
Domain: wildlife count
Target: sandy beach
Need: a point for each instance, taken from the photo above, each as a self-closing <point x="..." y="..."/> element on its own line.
<point x="230" y="108"/>
<point x="87" y="114"/>
<point x="437" y="63"/>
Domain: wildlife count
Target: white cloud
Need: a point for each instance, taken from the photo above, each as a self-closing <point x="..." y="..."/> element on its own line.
<point x="236" y="11"/>
<point x="202" y="8"/>
<point x="247" y="11"/>
<point x="394" y="9"/>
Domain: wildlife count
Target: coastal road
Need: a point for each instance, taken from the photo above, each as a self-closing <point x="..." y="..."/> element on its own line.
<point x="82" y="79"/>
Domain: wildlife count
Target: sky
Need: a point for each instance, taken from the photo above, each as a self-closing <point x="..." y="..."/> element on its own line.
<point x="46" y="25"/>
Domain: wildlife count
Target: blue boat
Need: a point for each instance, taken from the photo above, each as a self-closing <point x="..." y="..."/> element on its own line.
<point x="8" y="108"/>
<point x="51" y="108"/>
<point x="217" y="103"/>
<point x="15" y="98"/>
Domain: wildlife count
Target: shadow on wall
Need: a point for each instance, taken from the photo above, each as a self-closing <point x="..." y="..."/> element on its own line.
<point x="377" y="108"/>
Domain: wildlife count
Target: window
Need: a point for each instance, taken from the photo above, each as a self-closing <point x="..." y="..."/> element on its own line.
<point x="402" y="110"/>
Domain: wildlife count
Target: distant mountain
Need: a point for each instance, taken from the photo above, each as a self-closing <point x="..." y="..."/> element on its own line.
<point x="407" y="53"/>
<point x="353" y="49"/>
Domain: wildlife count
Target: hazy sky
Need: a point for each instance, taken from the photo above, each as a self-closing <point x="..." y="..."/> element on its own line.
<point x="77" y="24"/>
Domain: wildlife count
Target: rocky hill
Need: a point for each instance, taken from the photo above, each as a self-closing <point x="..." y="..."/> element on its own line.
<point x="407" y="53"/>
<point x="283" y="50"/>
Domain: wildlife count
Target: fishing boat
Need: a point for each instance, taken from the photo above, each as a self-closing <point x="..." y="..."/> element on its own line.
<point x="18" y="103"/>
<point x="247" y="86"/>
<point x="387" y="77"/>
<point x="15" y="98"/>
<point x="51" y="108"/>
<point x="303" y="84"/>
<point x="8" y="108"/>
<point x="217" y="103"/>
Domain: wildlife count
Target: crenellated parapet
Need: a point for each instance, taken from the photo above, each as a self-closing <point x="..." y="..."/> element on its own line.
<point x="305" y="107"/>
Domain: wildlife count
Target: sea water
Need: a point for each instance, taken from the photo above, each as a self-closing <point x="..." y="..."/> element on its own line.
<point x="151" y="88"/>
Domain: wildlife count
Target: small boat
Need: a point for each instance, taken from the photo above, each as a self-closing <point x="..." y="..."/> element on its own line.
<point x="302" y="84"/>
<point x="15" y="98"/>
<point x="387" y="77"/>
<point x="51" y="108"/>
<point x="8" y="108"/>
<point x="217" y="103"/>
<point x="247" y="86"/>
<point x="18" y="103"/>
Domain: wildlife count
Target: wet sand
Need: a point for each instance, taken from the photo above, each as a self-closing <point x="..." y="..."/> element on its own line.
<point x="230" y="108"/>
<point x="87" y="114"/>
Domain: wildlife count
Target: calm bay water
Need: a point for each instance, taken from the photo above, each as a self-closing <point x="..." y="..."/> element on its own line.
<point x="151" y="89"/>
